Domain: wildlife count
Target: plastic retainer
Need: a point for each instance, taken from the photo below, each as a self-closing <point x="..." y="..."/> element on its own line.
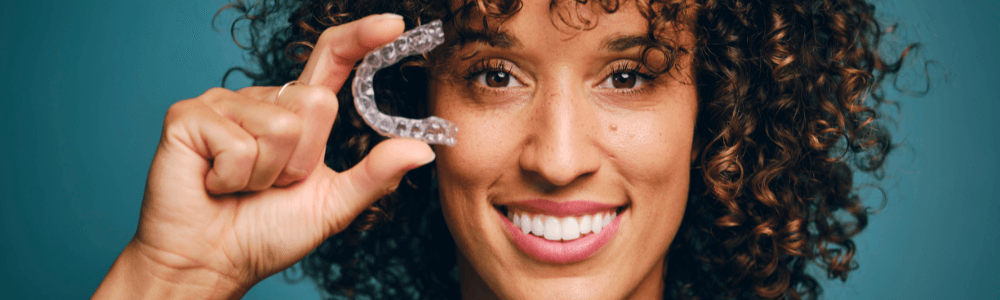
<point x="433" y="130"/>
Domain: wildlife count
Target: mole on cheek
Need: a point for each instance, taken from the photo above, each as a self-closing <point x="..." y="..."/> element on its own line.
<point x="613" y="127"/>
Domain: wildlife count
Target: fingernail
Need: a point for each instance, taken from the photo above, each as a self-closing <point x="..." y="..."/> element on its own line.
<point x="391" y="16"/>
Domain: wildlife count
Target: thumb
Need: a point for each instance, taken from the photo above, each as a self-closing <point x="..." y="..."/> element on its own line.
<point x="377" y="175"/>
<point x="340" y="47"/>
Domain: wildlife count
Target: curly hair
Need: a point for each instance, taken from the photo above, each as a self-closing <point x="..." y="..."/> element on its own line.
<point x="789" y="110"/>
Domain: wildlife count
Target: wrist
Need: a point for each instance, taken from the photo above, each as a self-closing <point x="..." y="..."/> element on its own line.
<point x="138" y="274"/>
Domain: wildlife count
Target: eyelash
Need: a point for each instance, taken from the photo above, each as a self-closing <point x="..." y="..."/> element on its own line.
<point x="631" y="67"/>
<point x="488" y="65"/>
<point x="495" y="65"/>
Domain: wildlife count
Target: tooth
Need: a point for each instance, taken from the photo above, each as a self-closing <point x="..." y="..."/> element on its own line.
<point x="510" y="215"/>
<point x="525" y="224"/>
<point x="598" y="223"/>
<point x="585" y="224"/>
<point x="607" y="219"/>
<point x="537" y="228"/>
<point x="552" y="229"/>
<point x="517" y="220"/>
<point x="570" y="228"/>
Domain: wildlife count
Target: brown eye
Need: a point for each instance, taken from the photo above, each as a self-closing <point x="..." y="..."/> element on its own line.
<point x="497" y="79"/>
<point x="623" y="80"/>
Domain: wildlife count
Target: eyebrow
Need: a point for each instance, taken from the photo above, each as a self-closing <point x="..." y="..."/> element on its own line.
<point x="621" y="43"/>
<point x="504" y="40"/>
<point x="496" y="38"/>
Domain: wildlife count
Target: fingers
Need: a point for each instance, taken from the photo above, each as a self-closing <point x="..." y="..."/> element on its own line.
<point x="375" y="176"/>
<point x="340" y="47"/>
<point x="289" y="133"/>
<point x="316" y="106"/>
<point x="230" y="148"/>
<point x="249" y="141"/>
<point x="276" y="130"/>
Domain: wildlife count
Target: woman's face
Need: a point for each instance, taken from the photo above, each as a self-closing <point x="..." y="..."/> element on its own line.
<point x="562" y="127"/>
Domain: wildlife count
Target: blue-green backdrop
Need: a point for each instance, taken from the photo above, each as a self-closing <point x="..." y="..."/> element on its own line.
<point x="84" y="86"/>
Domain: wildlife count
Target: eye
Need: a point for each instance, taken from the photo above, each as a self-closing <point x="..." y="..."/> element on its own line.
<point x="623" y="80"/>
<point x="497" y="79"/>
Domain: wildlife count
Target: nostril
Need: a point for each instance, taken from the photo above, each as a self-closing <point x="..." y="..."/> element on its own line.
<point x="551" y="179"/>
<point x="559" y="161"/>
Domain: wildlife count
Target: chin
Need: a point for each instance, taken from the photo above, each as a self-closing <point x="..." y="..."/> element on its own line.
<point x="503" y="257"/>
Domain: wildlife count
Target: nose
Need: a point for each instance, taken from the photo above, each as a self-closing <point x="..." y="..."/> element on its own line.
<point x="562" y="146"/>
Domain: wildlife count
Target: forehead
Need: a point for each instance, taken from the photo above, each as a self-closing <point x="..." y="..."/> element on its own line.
<point x="552" y="24"/>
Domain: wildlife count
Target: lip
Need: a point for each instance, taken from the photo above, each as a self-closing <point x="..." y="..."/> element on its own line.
<point x="558" y="251"/>
<point x="561" y="209"/>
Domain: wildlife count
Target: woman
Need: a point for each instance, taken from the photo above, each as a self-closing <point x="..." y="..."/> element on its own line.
<point x="710" y="145"/>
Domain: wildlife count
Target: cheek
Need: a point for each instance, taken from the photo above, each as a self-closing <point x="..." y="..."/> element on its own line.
<point x="647" y="149"/>
<point x="485" y="148"/>
<point x="486" y="151"/>
<point x="652" y="154"/>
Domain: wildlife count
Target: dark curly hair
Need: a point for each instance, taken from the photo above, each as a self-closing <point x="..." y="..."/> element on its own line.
<point x="789" y="110"/>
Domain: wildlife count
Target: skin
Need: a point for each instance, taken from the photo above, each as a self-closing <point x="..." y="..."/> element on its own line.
<point x="237" y="190"/>
<point x="561" y="132"/>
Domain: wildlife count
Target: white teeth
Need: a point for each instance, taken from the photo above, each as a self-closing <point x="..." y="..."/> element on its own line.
<point x="585" y="224"/>
<point x="525" y="224"/>
<point x="598" y="223"/>
<point x="566" y="229"/>
<point x="537" y="228"/>
<point x="552" y="229"/>
<point x="570" y="228"/>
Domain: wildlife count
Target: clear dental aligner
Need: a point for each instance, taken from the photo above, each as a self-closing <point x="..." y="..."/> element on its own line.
<point x="432" y="130"/>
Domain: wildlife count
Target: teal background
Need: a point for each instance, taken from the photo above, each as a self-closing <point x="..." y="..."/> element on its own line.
<point x="84" y="86"/>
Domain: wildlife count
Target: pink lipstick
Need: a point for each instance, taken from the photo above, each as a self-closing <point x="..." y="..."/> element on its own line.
<point x="575" y="242"/>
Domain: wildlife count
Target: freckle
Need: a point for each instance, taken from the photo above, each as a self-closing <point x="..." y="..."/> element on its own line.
<point x="614" y="127"/>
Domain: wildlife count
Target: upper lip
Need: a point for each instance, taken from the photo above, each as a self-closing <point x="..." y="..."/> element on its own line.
<point x="561" y="208"/>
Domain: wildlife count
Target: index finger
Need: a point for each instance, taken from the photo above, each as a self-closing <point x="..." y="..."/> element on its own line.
<point x="340" y="47"/>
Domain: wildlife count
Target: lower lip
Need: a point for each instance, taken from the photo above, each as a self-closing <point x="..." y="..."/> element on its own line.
<point x="562" y="252"/>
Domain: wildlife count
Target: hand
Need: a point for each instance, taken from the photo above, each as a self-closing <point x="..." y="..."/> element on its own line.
<point x="238" y="191"/>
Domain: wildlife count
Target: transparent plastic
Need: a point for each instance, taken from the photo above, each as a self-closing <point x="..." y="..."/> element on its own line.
<point x="433" y="130"/>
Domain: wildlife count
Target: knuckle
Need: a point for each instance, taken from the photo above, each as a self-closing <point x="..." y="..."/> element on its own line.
<point x="244" y="149"/>
<point x="283" y="181"/>
<point x="284" y="125"/>
<point x="257" y="187"/>
<point x="253" y="90"/>
<point x="295" y="173"/>
<point x="214" y="95"/>
<point x="232" y="183"/>
<point x="389" y="189"/>
<point x="215" y="92"/>
<point x="318" y="98"/>
<point x="177" y="110"/>
<point x="180" y="113"/>
<point x="329" y="34"/>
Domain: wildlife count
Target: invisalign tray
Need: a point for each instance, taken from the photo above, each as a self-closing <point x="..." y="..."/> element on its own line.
<point x="432" y="130"/>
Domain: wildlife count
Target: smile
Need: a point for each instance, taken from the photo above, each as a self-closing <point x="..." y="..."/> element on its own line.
<point x="565" y="229"/>
<point x="561" y="232"/>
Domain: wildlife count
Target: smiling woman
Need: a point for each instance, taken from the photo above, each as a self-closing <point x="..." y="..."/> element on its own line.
<point x="608" y="150"/>
<point x="556" y="158"/>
